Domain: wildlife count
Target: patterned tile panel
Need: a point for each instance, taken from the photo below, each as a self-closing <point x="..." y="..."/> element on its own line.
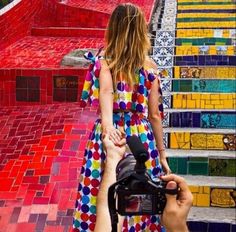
<point x="202" y="166"/>
<point x="205" y="72"/>
<point x="202" y="141"/>
<point x="205" y="196"/>
<point x="210" y="86"/>
<point x="204" y="101"/>
<point x="202" y="119"/>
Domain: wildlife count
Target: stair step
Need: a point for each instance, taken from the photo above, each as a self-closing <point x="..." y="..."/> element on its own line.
<point x="201" y="153"/>
<point x="200" y="110"/>
<point x="199" y="130"/>
<point x="212" y="181"/>
<point x="68" y="32"/>
<point x="212" y="214"/>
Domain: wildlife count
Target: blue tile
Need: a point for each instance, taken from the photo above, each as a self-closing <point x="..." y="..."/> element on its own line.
<point x="233" y="228"/>
<point x="217" y="227"/>
<point x="197" y="226"/>
<point x="196" y="120"/>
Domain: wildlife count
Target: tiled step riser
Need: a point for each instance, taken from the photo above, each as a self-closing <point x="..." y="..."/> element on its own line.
<point x="200" y="141"/>
<point x="202" y="86"/>
<point x="203" y="166"/>
<point x="62" y="15"/>
<point x="199" y="101"/>
<point x="68" y="32"/>
<point x="208" y="119"/>
<point x="203" y="226"/>
<point x="205" y="196"/>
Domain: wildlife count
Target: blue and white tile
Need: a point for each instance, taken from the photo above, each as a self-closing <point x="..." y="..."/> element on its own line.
<point x="166" y="85"/>
<point x="164" y="61"/>
<point x="163" y="51"/>
<point x="165" y="38"/>
<point x="167" y="102"/>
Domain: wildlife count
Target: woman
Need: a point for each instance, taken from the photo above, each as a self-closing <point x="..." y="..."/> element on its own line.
<point x="129" y="95"/>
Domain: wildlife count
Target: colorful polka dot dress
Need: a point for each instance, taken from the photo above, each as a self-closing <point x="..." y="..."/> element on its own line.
<point x="133" y="119"/>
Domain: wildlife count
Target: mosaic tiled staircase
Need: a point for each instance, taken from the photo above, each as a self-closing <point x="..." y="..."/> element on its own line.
<point x="195" y="49"/>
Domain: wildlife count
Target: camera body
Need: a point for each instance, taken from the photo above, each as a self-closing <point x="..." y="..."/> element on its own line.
<point x="138" y="194"/>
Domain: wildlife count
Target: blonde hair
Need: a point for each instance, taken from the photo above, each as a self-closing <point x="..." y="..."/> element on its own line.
<point x="127" y="42"/>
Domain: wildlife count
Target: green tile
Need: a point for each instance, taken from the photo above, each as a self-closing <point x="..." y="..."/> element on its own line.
<point x="173" y="164"/>
<point x="182" y="165"/>
<point x="222" y="167"/>
<point x="197" y="168"/>
<point x="203" y="159"/>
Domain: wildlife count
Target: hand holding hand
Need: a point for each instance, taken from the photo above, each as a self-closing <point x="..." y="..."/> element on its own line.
<point x="115" y="135"/>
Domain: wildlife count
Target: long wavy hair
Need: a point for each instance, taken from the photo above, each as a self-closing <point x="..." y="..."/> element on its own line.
<point x="127" y="42"/>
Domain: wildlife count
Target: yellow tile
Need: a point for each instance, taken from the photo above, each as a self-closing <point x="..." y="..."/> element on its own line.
<point x="196" y="96"/>
<point x="198" y="141"/>
<point x="214" y="96"/>
<point x="177" y="104"/>
<point x="194" y="199"/>
<point x="215" y="141"/>
<point x="198" y="104"/>
<point x="201" y="189"/>
<point x="187" y="137"/>
<point x="209" y="106"/>
<point x="205" y="96"/>
<point x="215" y="102"/>
<point x="203" y="200"/>
<point x="173" y="141"/>
<point x="191" y="104"/>
<point x="202" y="104"/>
<point x="177" y="72"/>
<point x="207" y="189"/>
<point x="194" y="188"/>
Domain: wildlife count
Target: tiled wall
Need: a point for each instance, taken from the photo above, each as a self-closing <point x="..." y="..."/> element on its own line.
<point x="203" y="166"/>
<point x="204" y="119"/>
<point x="205" y="196"/>
<point x="16" y="23"/>
<point x="201" y="141"/>
<point x="8" y="87"/>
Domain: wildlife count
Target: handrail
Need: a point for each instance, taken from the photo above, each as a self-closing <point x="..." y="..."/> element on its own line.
<point x="9" y="6"/>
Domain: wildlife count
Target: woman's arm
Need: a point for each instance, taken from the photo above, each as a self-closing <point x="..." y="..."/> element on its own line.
<point x="155" y="118"/>
<point x="106" y="103"/>
<point x="106" y="96"/>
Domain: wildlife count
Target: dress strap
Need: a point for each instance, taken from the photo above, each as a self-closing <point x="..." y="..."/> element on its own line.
<point x="90" y="89"/>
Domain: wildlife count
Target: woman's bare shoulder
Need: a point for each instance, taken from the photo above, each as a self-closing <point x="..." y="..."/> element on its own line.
<point x="150" y="63"/>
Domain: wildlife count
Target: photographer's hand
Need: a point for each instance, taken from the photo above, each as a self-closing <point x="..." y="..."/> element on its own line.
<point x="113" y="155"/>
<point x="176" y="211"/>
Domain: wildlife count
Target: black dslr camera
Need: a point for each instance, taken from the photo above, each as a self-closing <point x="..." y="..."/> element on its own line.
<point x="135" y="193"/>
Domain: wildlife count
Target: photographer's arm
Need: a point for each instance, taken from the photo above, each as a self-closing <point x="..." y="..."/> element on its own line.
<point x="114" y="155"/>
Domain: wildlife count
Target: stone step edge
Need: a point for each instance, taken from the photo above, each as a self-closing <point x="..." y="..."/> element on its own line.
<point x="210" y="181"/>
<point x="201" y="153"/>
<point x="198" y="130"/>
<point x="200" y="93"/>
<point x="212" y="214"/>
<point x="170" y="110"/>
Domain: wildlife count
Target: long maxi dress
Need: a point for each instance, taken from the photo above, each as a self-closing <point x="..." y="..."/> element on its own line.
<point x="133" y="119"/>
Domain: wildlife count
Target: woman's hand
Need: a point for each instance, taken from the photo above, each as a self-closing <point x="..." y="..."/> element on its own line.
<point x="164" y="164"/>
<point x="115" y="135"/>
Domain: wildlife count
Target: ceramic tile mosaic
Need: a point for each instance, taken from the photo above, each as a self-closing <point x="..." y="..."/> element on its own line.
<point x="206" y="24"/>
<point x="164" y="61"/>
<point x="205" y="33"/>
<point x="207" y="60"/>
<point x="222" y="167"/>
<point x="203" y="119"/>
<point x="202" y="141"/>
<point x="205" y="72"/>
<point x="166" y="86"/>
<point x="167" y="101"/>
<point x="203" y="166"/>
<point x="163" y="51"/>
<point x="165" y="38"/>
<point x="166" y="72"/>
<point x="223" y="197"/>
<point x="205" y="50"/>
<point x="165" y="121"/>
<point x="210" y="86"/>
<point x="204" y="41"/>
<point x="204" y="101"/>
<point x="42" y="149"/>
<point x="190" y="6"/>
